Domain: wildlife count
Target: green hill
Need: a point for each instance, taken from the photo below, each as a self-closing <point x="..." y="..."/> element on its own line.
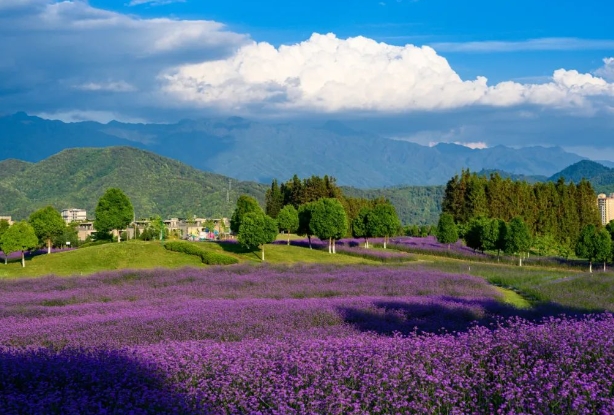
<point x="156" y="185"/>
<point x="600" y="176"/>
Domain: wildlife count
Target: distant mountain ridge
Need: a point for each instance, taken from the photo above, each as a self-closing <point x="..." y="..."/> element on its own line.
<point x="253" y="151"/>
<point x="158" y="185"/>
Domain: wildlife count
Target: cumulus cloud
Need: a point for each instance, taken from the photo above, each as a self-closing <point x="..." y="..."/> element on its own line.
<point x="607" y="70"/>
<point x="329" y="74"/>
<point x="53" y="51"/>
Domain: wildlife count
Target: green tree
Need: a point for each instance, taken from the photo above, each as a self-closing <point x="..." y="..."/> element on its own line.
<point x="69" y="236"/>
<point x="245" y="204"/>
<point x="383" y="221"/>
<point x="304" y="220"/>
<point x="518" y="238"/>
<point x="585" y="247"/>
<point x="4" y="225"/>
<point x="328" y="221"/>
<point x="274" y="200"/>
<point x="360" y="226"/>
<point x="48" y="224"/>
<point x="113" y="212"/>
<point x="20" y="237"/>
<point x="257" y="229"/>
<point x="603" y="246"/>
<point x="287" y="220"/>
<point x="475" y="233"/>
<point x="446" y="229"/>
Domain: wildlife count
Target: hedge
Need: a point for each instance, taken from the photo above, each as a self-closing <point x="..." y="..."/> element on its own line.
<point x="209" y="258"/>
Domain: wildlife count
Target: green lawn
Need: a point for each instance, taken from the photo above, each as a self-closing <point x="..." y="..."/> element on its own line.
<point x="133" y="254"/>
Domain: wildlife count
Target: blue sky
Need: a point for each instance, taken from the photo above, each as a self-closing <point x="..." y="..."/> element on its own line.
<point x="475" y="72"/>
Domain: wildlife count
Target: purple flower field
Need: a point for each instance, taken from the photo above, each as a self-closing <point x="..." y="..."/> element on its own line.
<point x="33" y="253"/>
<point x="293" y="340"/>
<point x="430" y="243"/>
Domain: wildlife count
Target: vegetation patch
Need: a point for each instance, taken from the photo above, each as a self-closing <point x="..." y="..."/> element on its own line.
<point x="209" y="258"/>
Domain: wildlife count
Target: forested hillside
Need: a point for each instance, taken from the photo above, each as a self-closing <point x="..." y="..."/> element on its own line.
<point x="156" y="185"/>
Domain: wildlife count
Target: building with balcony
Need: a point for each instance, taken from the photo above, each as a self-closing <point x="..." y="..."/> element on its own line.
<point x="74" y="215"/>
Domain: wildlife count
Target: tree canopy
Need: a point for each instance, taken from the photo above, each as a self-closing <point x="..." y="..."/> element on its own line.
<point x="594" y="244"/>
<point x="257" y="229"/>
<point x="48" y="224"/>
<point x="328" y="221"/>
<point x="382" y="221"/>
<point x="446" y="229"/>
<point x="518" y="238"/>
<point x="287" y="220"/>
<point x="245" y="204"/>
<point x="113" y="212"/>
<point x="19" y="237"/>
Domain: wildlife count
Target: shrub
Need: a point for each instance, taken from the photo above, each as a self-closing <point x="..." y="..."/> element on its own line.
<point x="209" y="258"/>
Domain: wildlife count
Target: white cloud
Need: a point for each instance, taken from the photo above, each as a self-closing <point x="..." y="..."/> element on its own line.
<point x="477" y="145"/>
<point x="119" y="86"/>
<point x="607" y="70"/>
<point x="328" y="74"/>
<point x="525" y="45"/>
<point x="54" y="51"/>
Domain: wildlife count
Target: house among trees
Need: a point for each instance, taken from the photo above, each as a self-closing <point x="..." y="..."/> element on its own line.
<point x="9" y="219"/>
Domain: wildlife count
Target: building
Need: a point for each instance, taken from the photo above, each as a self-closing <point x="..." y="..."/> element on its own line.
<point x="74" y="215"/>
<point x="84" y="230"/>
<point x="7" y="218"/>
<point x="606" y="208"/>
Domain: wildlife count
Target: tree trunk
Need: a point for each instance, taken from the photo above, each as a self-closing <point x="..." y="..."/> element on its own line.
<point x="520" y="260"/>
<point x="23" y="260"/>
<point x="309" y="237"/>
<point x="590" y="266"/>
<point x="330" y="248"/>
<point x="6" y="259"/>
<point x="498" y="254"/>
<point x="385" y="240"/>
<point x="604" y="269"/>
<point x="288" y="237"/>
<point x="334" y="247"/>
<point x="262" y="253"/>
<point x="48" y="246"/>
<point x="366" y="243"/>
<point x="119" y="236"/>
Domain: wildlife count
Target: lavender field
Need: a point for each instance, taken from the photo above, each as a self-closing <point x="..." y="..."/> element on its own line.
<point x="303" y="339"/>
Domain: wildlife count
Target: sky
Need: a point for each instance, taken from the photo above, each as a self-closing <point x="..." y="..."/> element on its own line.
<point x="515" y="73"/>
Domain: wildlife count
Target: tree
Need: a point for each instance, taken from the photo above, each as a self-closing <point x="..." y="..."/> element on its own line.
<point x="245" y="204"/>
<point x="446" y="229"/>
<point x="287" y="220"/>
<point x="603" y="246"/>
<point x="274" y="200"/>
<point x="19" y="238"/>
<point x="360" y="227"/>
<point x="304" y="220"/>
<point x="4" y="225"/>
<point x="475" y="233"/>
<point x="328" y="221"/>
<point x="113" y="212"/>
<point x="69" y="236"/>
<point x="48" y="224"/>
<point x="585" y="247"/>
<point x="257" y="229"/>
<point x="518" y="238"/>
<point x="383" y="221"/>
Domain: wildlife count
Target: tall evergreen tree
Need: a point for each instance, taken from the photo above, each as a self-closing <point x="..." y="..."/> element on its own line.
<point x="274" y="200"/>
<point x="245" y="204"/>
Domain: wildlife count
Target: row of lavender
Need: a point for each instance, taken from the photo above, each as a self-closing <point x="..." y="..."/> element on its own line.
<point x="558" y="367"/>
<point x="282" y="340"/>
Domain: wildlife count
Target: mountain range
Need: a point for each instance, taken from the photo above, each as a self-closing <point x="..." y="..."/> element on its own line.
<point x="162" y="186"/>
<point x="255" y="151"/>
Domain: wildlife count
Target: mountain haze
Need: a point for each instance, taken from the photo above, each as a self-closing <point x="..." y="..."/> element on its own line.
<point x="249" y="150"/>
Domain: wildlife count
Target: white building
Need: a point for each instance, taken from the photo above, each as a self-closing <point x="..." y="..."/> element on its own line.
<point x="7" y="218"/>
<point x="74" y="215"/>
<point x="606" y="208"/>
